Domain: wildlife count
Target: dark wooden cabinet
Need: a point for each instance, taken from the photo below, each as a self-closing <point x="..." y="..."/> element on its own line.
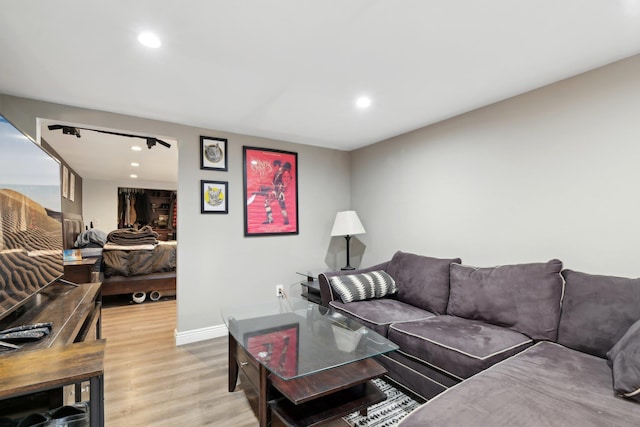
<point x="79" y="271"/>
<point x="164" y="234"/>
<point x="56" y="360"/>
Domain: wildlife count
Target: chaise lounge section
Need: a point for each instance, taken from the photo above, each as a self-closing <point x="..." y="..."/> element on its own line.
<point x="523" y="344"/>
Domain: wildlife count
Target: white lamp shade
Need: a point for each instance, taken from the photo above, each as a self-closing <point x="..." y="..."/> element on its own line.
<point x="347" y="223"/>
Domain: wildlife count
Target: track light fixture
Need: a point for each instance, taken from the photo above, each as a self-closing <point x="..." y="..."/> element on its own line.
<point x="67" y="130"/>
<point x="70" y="130"/>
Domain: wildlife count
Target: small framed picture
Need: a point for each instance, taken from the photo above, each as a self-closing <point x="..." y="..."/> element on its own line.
<point x="72" y="255"/>
<point x="213" y="153"/>
<point x="72" y="186"/>
<point x="213" y="197"/>
<point x="65" y="181"/>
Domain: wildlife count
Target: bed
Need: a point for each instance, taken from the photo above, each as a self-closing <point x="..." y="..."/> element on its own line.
<point x="125" y="269"/>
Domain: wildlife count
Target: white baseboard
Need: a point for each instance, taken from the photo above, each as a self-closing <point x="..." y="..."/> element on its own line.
<point x="202" y="334"/>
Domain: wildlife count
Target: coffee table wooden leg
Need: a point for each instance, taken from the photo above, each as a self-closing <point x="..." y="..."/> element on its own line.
<point x="233" y="363"/>
<point x="264" y="412"/>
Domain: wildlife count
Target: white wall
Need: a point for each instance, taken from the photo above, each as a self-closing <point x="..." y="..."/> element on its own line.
<point x="100" y="200"/>
<point x="549" y="174"/>
<point x="217" y="265"/>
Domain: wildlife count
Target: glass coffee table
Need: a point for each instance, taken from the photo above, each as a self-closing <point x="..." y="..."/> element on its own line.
<point x="306" y="362"/>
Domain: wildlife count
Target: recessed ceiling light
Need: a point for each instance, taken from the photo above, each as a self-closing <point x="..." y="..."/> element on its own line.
<point x="134" y="176"/>
<point x="134" y="164"/>
<point x="363" y="102"/>
<point x="149" y="40"/>
<point x="136" y="148"/>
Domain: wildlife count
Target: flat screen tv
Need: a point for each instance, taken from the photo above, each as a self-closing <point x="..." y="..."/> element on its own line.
<point x="30" y="219"/>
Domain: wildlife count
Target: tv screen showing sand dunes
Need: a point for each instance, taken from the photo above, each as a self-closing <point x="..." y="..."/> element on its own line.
<point x="30" y="218"/>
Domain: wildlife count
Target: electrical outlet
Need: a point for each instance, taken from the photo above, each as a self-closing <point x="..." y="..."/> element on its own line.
<point x="279" y="290"/>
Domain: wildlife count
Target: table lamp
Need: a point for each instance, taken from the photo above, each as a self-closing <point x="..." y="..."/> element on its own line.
<point x="347" y="224"/>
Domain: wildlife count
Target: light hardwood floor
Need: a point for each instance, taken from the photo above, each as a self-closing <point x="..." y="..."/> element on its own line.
<point x="151" y="382"/>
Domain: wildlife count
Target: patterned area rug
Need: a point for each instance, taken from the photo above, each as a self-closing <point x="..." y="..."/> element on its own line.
<point x="388" y="413"/>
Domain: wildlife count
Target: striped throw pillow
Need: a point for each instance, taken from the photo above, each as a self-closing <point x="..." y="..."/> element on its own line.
<point x="357" y="287"/>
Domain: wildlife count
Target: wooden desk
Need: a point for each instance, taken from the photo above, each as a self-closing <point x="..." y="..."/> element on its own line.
<point x="27" y="372"/>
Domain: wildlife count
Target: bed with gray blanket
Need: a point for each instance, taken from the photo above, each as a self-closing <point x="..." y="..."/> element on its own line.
<point x="130" y="260"/>
<point x="140" y="260"/>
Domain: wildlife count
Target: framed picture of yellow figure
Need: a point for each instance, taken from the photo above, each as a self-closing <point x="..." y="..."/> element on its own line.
<point x="214" y="197"/>
<point x="270" y="192"/>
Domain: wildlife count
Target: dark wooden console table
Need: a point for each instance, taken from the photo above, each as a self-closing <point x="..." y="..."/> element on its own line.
<point x="71" y="354"/>
<point x="28" y="372"/>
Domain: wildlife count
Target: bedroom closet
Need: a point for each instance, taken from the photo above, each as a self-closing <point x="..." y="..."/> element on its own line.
<point x="138" y="207"/>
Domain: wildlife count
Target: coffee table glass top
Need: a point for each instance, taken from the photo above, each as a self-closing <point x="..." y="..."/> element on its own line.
<point x="294" y="337"/>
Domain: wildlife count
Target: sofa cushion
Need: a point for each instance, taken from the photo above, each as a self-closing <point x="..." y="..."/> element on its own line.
<point x="357" y="287"/>
<point x="422" y="281"/>
<point x="460" y="347"/>
<point x="378" y="314"/>
<point x="545" y="385"/>
<point x="597" y="311"/>
<point x="522" y="297"/>
<point x="624" y="359"/>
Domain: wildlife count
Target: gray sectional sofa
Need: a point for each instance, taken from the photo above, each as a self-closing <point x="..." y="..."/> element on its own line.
<point x="523" y="344"/>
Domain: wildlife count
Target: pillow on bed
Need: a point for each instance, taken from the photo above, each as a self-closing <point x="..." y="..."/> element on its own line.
<point x="624" y="358"/>
<point x="357" y="287"/>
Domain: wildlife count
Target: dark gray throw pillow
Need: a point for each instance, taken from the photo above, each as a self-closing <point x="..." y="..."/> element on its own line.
<point x="624" y="359"/>
<point x="357" y="287"/>
<point x="522" y="297"/>
<point x="422" y="281"/>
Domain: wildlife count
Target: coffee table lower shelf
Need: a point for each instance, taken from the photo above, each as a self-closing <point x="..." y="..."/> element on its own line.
<point x="310" y="399"/>
<point x="338" y="404"/>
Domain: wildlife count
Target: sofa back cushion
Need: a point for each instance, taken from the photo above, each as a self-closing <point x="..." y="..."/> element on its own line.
<point x="522" y="297"/>
<point x="421" y="281"/>
<point x="597" y="311"/>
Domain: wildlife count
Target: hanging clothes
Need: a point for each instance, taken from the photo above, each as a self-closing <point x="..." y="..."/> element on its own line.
<point x="133" y="217"/>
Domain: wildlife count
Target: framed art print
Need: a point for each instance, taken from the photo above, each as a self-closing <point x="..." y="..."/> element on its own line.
<point x="276" y="348"/>
<point x="72" y="186"/>
<point x="65" y="181"/>
<point x="270" y="192"/>
<point x="213" y="153"/>
<point x="213" y="197"/>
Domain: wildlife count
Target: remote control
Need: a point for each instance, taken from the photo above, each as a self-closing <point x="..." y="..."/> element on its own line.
<point x="46" y="325"/>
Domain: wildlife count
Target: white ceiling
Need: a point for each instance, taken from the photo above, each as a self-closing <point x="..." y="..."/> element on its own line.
<point x="100" y="156"/>
<point x="291" y="69"/>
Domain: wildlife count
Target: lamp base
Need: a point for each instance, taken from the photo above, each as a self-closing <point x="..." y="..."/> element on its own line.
<point x="348" y="266"/>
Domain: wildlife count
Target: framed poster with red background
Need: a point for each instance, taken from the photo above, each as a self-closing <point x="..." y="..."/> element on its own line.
<point x="270" y="192"/>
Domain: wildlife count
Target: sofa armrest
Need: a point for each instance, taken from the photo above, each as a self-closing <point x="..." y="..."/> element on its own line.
<point x="326" y="293"/>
